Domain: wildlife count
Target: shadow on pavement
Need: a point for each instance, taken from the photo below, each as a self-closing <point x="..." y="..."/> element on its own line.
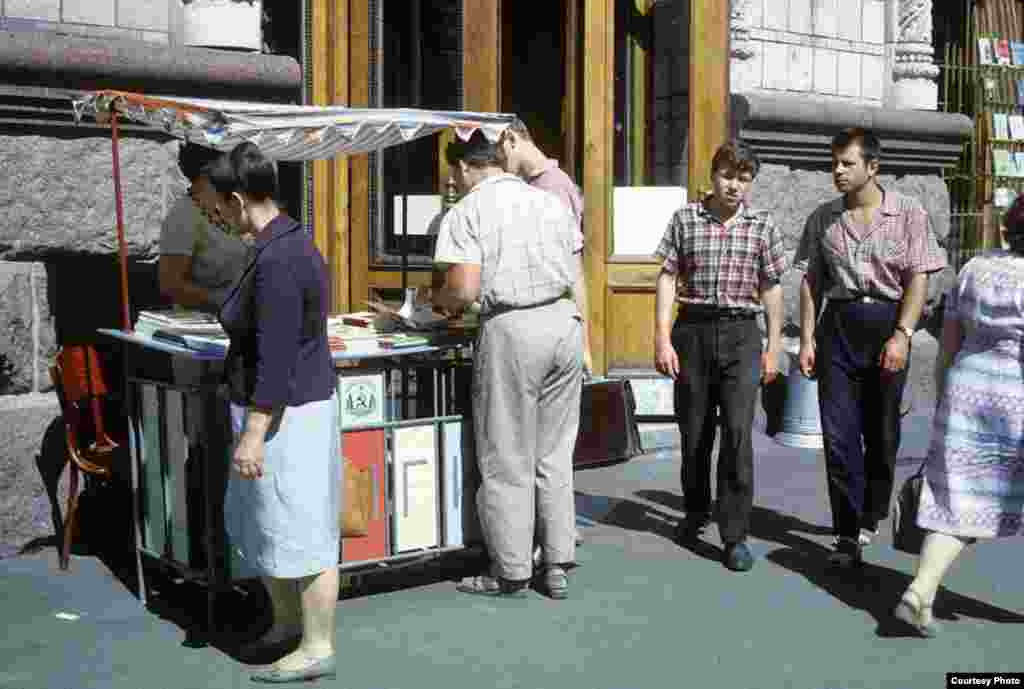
<point x="876" y="590"/>
<point x="872" y="588"/>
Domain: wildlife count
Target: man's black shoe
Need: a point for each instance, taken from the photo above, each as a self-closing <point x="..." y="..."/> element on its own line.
<point x="737" y="557"/>
<point x="692" y="526"/>
<point x="846" y="554"/>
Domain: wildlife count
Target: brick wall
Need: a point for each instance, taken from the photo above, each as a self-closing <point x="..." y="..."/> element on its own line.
<point x="829" y="49"/>
<point x="146" y="20"/>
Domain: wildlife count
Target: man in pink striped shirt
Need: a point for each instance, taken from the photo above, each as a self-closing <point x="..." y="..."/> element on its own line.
<point x="522" y="157"/>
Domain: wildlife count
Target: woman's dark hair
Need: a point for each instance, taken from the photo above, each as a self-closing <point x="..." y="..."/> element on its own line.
<point x="1014" y="223"/>
<point x="479" y="151"/>
<point x="244" y="170"/>
<point x="192" y="158"/>
<point x="736" y="155"/>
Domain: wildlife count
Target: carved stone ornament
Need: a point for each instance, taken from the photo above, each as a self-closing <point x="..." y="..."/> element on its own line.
<point x="914" y="71"/>
<point x="741" y="47"/>
<point x="915" y="54"/>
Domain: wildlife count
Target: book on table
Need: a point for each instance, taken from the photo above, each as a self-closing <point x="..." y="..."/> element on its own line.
<point x="1002" y="50"/>
<point x="986" y="53"/>
<point x="403" y="341"/>
<point x="1001" y="164"/>
<point x="1000" y="126"/>
<point x="1017" y="52"/>
<point x="1016" y="122"/>
<point x="196" y="343"/>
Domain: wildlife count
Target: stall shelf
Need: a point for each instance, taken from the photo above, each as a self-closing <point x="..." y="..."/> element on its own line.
<point x="180" y="447"/>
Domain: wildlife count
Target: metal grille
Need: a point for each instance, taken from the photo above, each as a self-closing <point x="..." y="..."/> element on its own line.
<point x="978" y="91"/>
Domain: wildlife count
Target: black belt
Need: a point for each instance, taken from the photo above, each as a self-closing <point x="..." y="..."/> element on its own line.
<point x="864" y="299"/>
<point x="698" y="314"/>
<point x="504" y="308"/>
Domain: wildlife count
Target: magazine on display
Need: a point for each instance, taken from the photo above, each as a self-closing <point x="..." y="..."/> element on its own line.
<point x="986" y="54"/>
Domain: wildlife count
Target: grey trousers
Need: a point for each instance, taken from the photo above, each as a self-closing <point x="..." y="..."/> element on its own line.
<point x="528" y="372"/>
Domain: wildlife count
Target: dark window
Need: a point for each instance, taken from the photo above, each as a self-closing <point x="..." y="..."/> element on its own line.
<point x="416" y="62"/>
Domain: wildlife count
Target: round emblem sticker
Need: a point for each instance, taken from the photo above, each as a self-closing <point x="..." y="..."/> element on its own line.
<point x="361" y="400"/>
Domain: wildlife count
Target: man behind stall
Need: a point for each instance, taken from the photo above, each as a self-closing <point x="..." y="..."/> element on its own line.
<point x="516" y="250"/>
<point x="198" y="260"/>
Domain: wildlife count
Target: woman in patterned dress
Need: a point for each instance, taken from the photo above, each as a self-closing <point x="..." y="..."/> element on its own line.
<point x="974" y="481"/>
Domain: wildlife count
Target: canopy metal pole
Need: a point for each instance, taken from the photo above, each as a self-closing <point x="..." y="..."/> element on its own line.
<point x="122" y="248"/>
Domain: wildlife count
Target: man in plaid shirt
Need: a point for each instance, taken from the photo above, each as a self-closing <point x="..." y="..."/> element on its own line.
<point x="722" y="263"/>
<point x="869" y="253"/>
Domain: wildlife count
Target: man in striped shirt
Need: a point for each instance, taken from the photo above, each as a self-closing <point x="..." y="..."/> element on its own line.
<point x="722" y="264"/>
<point x="868" y="253"/>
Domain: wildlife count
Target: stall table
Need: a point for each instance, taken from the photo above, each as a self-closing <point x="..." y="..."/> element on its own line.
<point x="418" y="452"/>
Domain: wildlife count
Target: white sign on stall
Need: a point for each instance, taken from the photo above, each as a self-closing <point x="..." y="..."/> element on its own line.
<point x="415" y="488"/>
<point x="640" y="216"/>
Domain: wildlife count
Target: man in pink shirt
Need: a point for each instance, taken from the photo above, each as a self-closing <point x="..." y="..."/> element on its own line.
<point x="522" y="157"/>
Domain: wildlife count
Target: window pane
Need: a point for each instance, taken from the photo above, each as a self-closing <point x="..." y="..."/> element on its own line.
<point x="419" y="44"/>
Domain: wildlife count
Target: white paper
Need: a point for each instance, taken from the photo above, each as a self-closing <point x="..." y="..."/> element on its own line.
<point x="415" y="495"/>
<point x="423" y="210"/>
<point x="640" y="216"/>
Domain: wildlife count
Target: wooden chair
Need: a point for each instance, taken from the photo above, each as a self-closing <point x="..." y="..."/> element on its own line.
<point x="78" y="379"/>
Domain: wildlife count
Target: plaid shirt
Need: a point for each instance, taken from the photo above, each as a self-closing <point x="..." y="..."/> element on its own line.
<point x="843" y="260"/>
<point x="524" y="239"/>
<point x="722" y="265"/>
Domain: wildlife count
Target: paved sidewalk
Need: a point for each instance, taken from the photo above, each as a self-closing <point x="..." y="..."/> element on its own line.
<point x="643" y="612"/>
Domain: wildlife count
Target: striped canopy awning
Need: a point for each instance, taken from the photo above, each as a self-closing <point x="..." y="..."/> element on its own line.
<point x="286" y="132"/>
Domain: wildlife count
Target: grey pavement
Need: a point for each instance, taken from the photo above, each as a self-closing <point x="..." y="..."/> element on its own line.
<point x="643" y="611"/>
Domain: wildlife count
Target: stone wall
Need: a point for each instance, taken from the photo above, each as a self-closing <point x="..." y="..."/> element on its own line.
<point x="144" y="20"/>
<point x="27" y="335"/>
<point x="57" y="218"/>
<point x="829" y="48"/>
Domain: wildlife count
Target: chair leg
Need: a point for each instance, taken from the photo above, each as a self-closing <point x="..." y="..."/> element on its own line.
<point x="70" y="515"/>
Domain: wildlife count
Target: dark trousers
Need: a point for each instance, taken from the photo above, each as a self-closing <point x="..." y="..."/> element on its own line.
<point x="860" y="412"/>
<point x="720" y="370"/>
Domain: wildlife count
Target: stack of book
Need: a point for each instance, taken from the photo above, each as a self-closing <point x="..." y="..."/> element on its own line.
<point x="347" y="333"/>
<point x="193" y="330"/>
<point x="403" y="341"/>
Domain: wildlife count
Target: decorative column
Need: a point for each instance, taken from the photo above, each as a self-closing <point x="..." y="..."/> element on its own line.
<point x="914" y="70"/>
<point x="742" y="70"/>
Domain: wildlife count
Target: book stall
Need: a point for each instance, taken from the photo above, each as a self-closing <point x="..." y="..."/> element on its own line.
<point x="403" y="372"/>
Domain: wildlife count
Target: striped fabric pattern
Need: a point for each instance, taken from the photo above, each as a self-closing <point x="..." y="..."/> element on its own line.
<point x="974" y="482"/>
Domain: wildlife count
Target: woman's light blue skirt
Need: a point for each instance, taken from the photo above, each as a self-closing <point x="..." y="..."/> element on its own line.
<point x="285" y="524"/>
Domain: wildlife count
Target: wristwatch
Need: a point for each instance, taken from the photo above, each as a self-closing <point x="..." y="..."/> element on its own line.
<point x="909" y="332"/>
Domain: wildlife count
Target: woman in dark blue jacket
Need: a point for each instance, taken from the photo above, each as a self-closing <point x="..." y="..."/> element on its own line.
<point x="283" y="497"/>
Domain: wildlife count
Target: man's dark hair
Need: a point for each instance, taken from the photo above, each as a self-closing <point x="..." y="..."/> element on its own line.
<point x="478" y="151"/>
<point x="192" y="158"/>
<point x="870" y="146"/>
<point x="736" y="155"/>
<point x="244" y="170"/>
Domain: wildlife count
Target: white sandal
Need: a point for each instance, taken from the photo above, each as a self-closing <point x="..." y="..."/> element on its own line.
<point x="912" y="611"/>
